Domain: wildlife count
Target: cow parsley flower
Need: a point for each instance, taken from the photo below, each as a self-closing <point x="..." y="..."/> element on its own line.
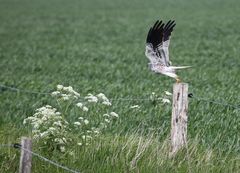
<point x="77" y="123"/>
<point x="135" y="107"/>
<point x="59" y="87"/>
<point x="80" y="105"/>
<point x="50" y="125"/>
<point x="104" y="99"/>
<point x="55" y="93"/>
<point x="62" y="149"/>
<point x="164" y="100"/>
<point x="86" y="122"/>
<point x="85" y="109"/>
<point x="91" y="98"/>
<point x="168" y="93"/>
<point x="80" y="118"/>
<point x="113" y="114"/>
<point x="107" y="120"/>
<point x="107" y="103"/>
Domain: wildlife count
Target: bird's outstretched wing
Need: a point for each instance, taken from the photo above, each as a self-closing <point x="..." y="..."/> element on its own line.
<point x="153" y="42"/>
<point x="164" y="51"/>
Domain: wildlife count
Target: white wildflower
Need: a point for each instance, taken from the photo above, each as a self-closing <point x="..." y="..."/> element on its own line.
<point x="51" y="129"/>
<point x="101" y="95"/>
<point x="62" y="149"/>
<point x="65" y="97"/>
<point x="59" y="141"/>
<point x="80" y="144"/>
<point x="80" y="105"/>
<point x="76" y="94"/>
<point x="36" y="136"/>
<point x="36" y="131"/>
<point x="44" y="118"/>
<point x="135" y="107"/>
<point x="77" y="123"/>
<point x="80" y="118"/>
<point x="107" y="103"/>
<point x="36" y="125"/>
<point x="96" y="131"/>
<point x="113" y="114"/>
<point x="69" y="89"/>
<point x="91" y="98"/>
<point x="107" y="120"/>
<point x="55" y="93"/>
<point x="86" y="121"/>
<point x="44" y="134"/>
<point x="166" y="100"/>
<point x="25" y="121"/>
<point x="58" y="113"/>
<point x="168" y="93"/>
<point x="59" y="87"/>
<point x="85" y="109"/>
<point x="57" y="123"/>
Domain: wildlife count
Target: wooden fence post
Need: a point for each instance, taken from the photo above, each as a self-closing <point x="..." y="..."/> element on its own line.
<point x="179" y="117"/>
<point x="26" y="157"/>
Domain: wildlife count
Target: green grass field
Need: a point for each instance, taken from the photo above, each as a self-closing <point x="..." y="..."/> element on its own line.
<point x="98" y="46"/>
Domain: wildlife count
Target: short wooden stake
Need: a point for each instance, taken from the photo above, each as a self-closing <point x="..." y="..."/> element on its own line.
<point x="179" y="117"/>
<point x="26" y="157"/>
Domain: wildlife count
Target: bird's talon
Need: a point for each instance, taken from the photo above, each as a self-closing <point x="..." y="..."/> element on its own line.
<point x="178" y="80"/>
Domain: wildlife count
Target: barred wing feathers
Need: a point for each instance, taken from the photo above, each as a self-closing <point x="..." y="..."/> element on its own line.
<point x="154" y="40"/>
<point x="164" y="50"/>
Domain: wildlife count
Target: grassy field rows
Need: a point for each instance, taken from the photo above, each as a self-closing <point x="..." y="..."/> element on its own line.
<point x="98" y="46"/>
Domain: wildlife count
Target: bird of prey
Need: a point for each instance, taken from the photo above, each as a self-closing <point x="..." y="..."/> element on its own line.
<point x="157" y="43"/>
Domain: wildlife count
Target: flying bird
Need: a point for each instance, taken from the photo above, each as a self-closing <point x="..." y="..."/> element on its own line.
<point x="157" y="43"/>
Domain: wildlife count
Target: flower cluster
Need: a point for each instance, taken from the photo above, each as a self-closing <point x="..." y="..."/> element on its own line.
<point x="48" y="125"/>
<point x="164" y="99"/>
<point x="90" y="116"/>
<point x="98" y="98"/>
<point x="104" y="100"/>
<point x="65" y="93"/>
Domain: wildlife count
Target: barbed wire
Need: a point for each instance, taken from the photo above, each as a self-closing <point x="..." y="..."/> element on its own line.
<point x="49" y="93"/>
<point x="190" y="95"/>
<point x="6" y="145"/>
<point x="16" y="145"/>
<point x="23" y="90"/>
<point x="216" y="102"/>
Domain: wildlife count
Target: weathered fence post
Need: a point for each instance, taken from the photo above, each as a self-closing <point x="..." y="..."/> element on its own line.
<point x="179" y="117"/>
<point x="26" y="157"/>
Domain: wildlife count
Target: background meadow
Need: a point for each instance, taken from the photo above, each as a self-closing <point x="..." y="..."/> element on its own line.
<point x="98" y="46"/>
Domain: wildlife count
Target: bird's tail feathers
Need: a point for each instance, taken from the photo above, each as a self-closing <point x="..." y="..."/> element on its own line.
<point x="179" y="67"/>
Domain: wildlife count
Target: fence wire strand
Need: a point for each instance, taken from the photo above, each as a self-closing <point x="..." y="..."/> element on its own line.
<point x="40" y="157"/>
<point x="6" y="145"/>
<point x="48" y="93"/>
<point x="225" y="104"/>
<point x="217" y="102"/>
<point x="23" y="90"/>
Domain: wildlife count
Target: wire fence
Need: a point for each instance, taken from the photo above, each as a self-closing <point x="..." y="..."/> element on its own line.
<point x="190" y="95"/>
<point x="18" y="146"/>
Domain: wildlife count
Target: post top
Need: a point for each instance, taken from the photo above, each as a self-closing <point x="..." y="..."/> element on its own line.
<point x="181" y="83"/>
